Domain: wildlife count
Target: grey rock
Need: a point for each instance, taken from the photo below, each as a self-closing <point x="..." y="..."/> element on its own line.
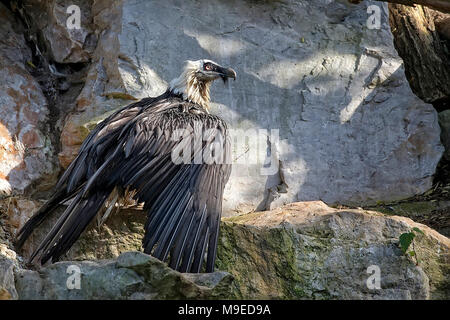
<point x="134" y="275"/>
<point x="350" y="129"/>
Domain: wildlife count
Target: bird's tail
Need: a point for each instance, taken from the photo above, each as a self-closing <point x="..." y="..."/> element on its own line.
<point x="39" y="217"/>
<point x="70" y="225"/>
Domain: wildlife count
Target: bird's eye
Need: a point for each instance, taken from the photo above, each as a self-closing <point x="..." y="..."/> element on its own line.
<point x="208" y="67"/>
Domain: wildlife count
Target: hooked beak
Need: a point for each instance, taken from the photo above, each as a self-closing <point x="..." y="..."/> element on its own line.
<point x="226" y="73"/>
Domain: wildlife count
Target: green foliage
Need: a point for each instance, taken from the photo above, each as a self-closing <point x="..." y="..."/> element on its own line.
<point x="406" y="239"/>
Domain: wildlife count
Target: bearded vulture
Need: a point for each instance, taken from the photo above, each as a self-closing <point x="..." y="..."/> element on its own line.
<point x="133" y="150"/>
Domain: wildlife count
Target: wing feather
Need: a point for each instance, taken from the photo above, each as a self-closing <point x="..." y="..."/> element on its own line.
<point x="184" y="201"/>
<point x="131" y="149"/>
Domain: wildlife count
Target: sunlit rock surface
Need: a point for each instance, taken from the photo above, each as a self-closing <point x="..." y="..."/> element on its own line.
<point x="350" y="129"/>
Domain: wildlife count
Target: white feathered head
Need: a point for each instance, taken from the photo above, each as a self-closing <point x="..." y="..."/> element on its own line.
<point x="196" y="79"/>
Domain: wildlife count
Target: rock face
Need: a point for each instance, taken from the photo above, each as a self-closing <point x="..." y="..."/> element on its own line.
<point x="347" y="128"/>
<point x="18" y="211"/>
<point x="304" y="250"/>
<point x="25" y="149"/>
<point x="55" y="19"/>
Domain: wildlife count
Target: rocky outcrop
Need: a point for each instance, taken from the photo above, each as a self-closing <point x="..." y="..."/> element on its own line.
<point x="350" y="129"/>
<point x="101" y="93"/>
<point x="62" y="40"/>
<point x="304" y="250"/>
<point x="25" y="148"/>
<point x="347" y="128"/>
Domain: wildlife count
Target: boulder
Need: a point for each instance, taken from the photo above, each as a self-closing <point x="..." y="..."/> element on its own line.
<point x="431" y="212"/>
<point x="305" y="250"/>
<point x="309" y="250"/>
<point x="133" y="275"/>
<point x="323" y="98"/>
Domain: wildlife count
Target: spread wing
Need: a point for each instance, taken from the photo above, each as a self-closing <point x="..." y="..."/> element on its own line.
<point x="184" y="200"/>
<point x="176" y="157"/>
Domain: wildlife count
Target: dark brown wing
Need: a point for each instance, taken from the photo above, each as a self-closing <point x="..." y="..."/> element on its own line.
<point x="183" y="201"/>
<point x="133" y="148"/>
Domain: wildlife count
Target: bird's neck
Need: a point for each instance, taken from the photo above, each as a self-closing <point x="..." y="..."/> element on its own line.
<point x="192" y="88"/>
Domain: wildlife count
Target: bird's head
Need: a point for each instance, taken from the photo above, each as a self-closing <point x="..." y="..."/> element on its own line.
<point x="207" y="71"/>
<point x="196" y="78"/>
